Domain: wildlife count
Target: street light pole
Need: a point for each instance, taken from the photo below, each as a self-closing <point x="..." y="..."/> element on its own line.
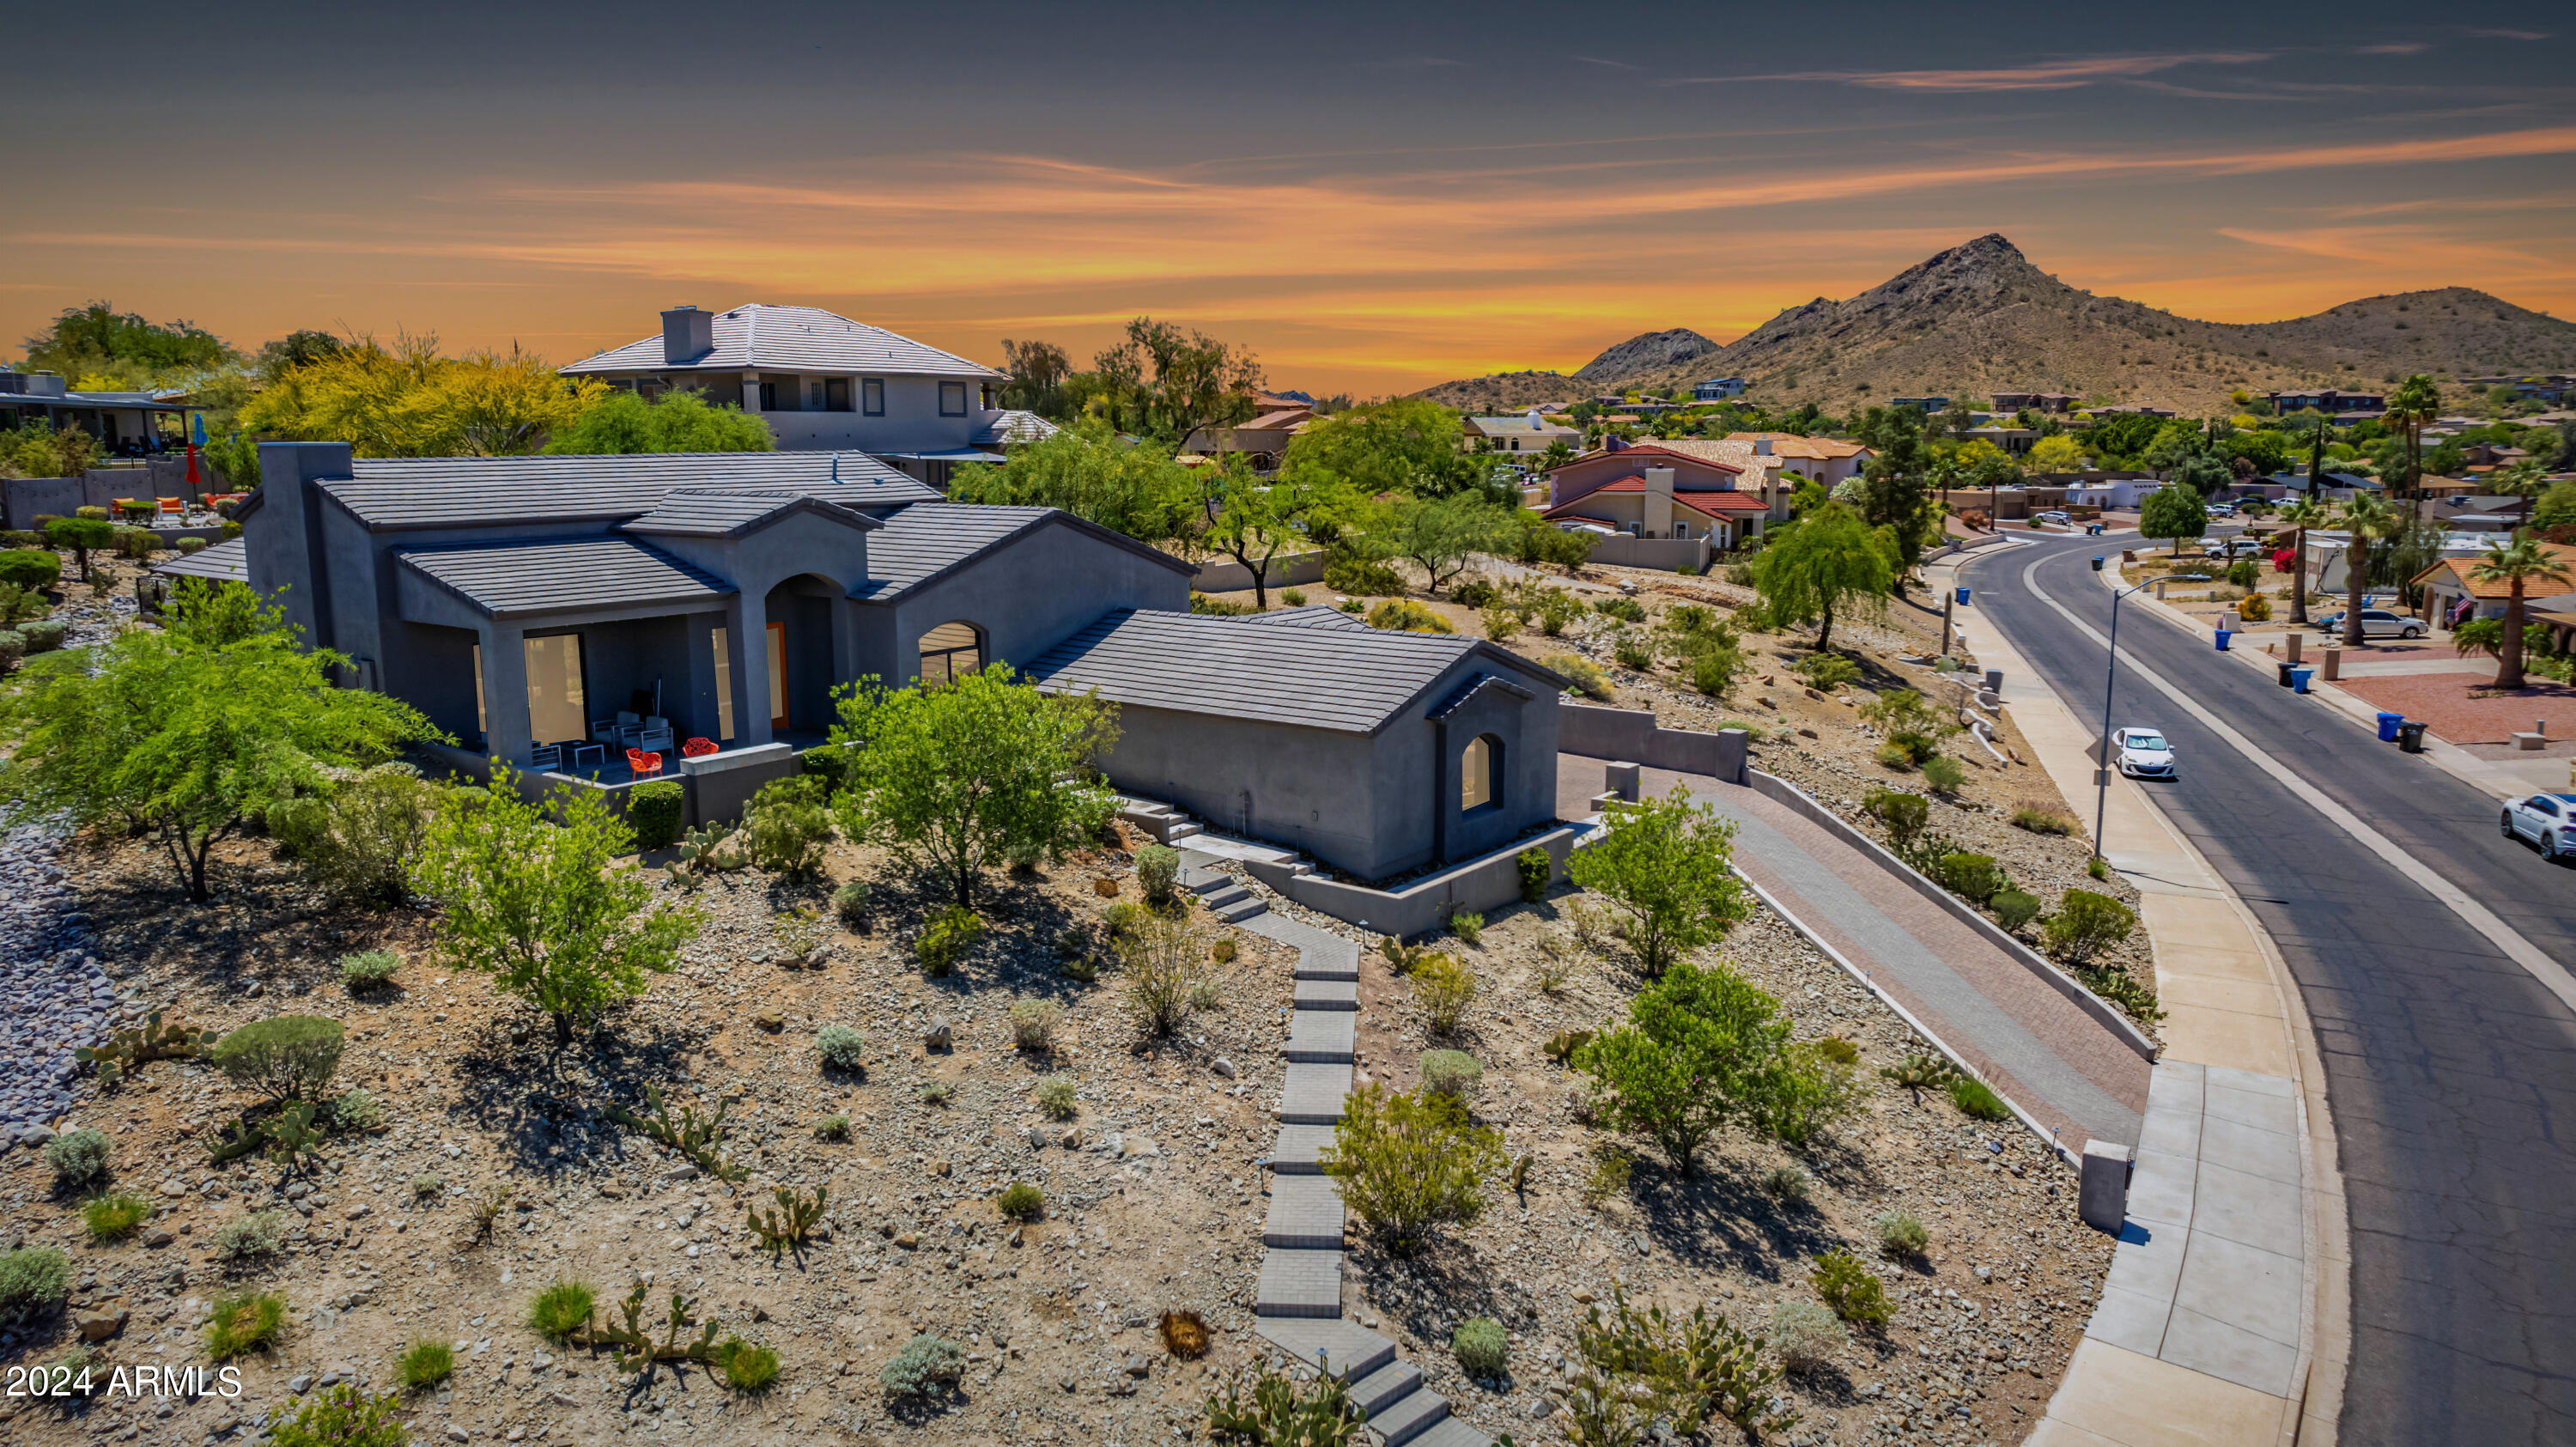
<point x="2110" y="679"/>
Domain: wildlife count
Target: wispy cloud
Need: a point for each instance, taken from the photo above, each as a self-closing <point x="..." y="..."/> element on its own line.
<point x="2510" y="34"/>
<point x="2040" y="75"/>
<point x="2394" y="47"/>
<point x="1612" y="64"/>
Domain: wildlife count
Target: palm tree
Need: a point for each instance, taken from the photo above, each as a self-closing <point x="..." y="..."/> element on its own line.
<point x="2524" y="480"/>
<point x="2304" y="514"/>
<point x="2516" y="563"/>
<point x="2415" y="402"/>
<point x="2365" y="519"/>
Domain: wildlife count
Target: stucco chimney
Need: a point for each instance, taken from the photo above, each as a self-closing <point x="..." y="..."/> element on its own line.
<point x="687" y="334"/>
<point x="1656" y="519"/>
<point x="1762" y="447"/>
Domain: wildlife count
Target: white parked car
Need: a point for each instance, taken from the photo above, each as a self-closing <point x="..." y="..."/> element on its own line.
<point x="2143" y="753"/>
<point x="2219" y="510"/>
<point x="2058" y="518"/>
<point x="2375" y="623"/>
<point x="2239" y="548"/>
<point x="2548" y="820"/>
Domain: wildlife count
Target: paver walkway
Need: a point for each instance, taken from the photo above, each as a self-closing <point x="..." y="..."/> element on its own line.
<point x="2029" y="1041"/>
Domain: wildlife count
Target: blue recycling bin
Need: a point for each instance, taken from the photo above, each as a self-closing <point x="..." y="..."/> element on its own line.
<point x="2388" y="723"/>
<point x="2223" y="636"/>
<point x="2299" y="679"/>
<point x="1963" y="597"/>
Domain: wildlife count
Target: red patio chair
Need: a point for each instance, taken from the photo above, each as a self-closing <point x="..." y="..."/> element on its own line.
<point x="173" y="506"/>
<point x="697" y="748"/>
<point x="643" y="763"/>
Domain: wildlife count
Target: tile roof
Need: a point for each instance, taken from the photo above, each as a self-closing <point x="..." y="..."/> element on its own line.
<point x="390" y="493"/>
<point x="1008" y="427"/>
<point x="760" y="337"/>
<point x="730" y="512"/>
<point x="924" y="540"/>
<point x="520" y="578"/>
<point x="227" y="561"/>
<point x="1316" y="615"/>
<point x="2532" y="588"/>
<point x="1714" y="501"/>
<point x="1522" y="423"/>
<point x="1247" y="668"/>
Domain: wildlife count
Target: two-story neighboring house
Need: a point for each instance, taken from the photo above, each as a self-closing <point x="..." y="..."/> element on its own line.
<point x="1681" y="489"/>
<point x="1527" y="433"/>
<point x="826" y="383"/>
<point x="1821" y="460"/>
<point x="2352" y="406"/>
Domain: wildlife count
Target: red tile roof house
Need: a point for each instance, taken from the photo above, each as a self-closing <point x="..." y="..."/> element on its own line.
<point x="1660" y="490"/>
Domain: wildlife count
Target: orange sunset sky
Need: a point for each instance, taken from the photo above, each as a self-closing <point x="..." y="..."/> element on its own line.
<point x="1373" y="198"/>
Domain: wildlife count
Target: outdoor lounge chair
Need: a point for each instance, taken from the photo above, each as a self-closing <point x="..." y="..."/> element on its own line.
<point x="655" y="735"/>
<point x="697" y="748"/>
<point x="643" y="763"/>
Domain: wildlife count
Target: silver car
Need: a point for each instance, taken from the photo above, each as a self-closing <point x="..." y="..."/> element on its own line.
<point x="2548" y="820"/>
<point x="2375" y="623"/>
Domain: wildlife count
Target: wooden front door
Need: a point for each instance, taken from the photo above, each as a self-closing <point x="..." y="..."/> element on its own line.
<point x="778" y="675"/>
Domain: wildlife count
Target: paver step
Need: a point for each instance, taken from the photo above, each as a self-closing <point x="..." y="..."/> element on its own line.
<point x="1385" y="1387"/>
<point x="1409" y="1416"/>
<point x="1322" y="1037"/>
<point x="1225" y="894"/>
<point x="1181" y="831"/>
<point x="1328" y="994"/>
<point x="1299" y="1283"/>
<point x="1334" y="1346"/>
<point x="1305" y="1212"/>
<point x="1242" y="910"/>
<point x="1312" y="1094"/>
<point x="1451" y="1432"/>
<point x="1299" y="1150"/>
<point x="1205" y="881"/>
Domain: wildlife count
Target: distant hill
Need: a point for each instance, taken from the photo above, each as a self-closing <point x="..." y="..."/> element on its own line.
<point x="1979" y="317"/>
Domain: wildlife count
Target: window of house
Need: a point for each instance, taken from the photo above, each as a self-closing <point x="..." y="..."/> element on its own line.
<point x="769" y="396"/>
<point x="952" y="399"/>
<point x="949" y="650"/>
<point x="1480" y="782"/>
<point x="558" y="708"/>
<point x="724" y="687"/>
<point x="814" y="395"/>
<point x="836" y="395"/>
<point x="872" y="396"/>
<point x="986" y="397"/>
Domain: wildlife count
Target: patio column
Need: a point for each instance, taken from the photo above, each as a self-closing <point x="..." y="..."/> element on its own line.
<point x="751" y="393"/>
<point x="505" y="694"/>
<point x="751" y="665"/>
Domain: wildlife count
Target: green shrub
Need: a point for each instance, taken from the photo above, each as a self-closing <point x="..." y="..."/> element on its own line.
<point x="1033" y="1023"/>
<point x="1165" y="959"/>
<point x="17" y="605"/>
<point x="2015" y="908"/>
<point x="1444" y="988"/>
<point x="1407" y="1164"/>
<point x="1838" y="1050"/>
<point x="1352" y="605"/>
<point x="285" y="1057"/>
<point x="843" y="1047"/>
<point x="786" y="827"/>
<point x="1222" y="952"/>
<point x="1687" y="570"/>
<point x="2098" y="868"/>
<point x="1404" y="615"/>
<point x="1785" y="1183"/>
<point x="1556" y="610"/>
<point x="1476" y="592"/>
<point x="1293" y="597"/>
<point x="1501" y="621"/>
<point x="561" y="1309"/>
<point x="927" y="1366"/>
<point x="360" y="841"/>
<point x="368" y="969"/>
<point x="747" y="1368"/>
<point x="1944" y="774"/>
<point x="1626" y="610"/>
<point x="1535" y="869"/>
<point x="356" y="1110"/>
<point x="1977" y="1099"/>
<point x="1825" y="672"/>
<point x="1482" y="1348"/>
<point x="2044" y="819"/>
<point x="1584" y="674"/>
<point x="1363" y="578"/>
<point x="1904" y="814"/>
<point x="115" y="1215"/>
<point x="1900" y="1234"/>
<point x="36" y="569"/>
<point x="1283" y="1408"/>
<point x="1805" y="1335"/>
<point x="78" y="1158"/>
<point x="13" y="648"/>
<point x="1453" y="1073"/>
<point x="1055" y="1095"/>
<point x="1021" y="1201"/>
<point x="1894" y="756"/>
<point x="1631" y="653"/>
<point x="34" y="1280"/>
<point x="834" y="1127"/>
<point x="424" y="1364"/>
<point x="341" y="1417"/>
<point x="653" y="811"/>
<point x="43" y="635"/>
<point x="948" y="936"/>
<point x="1468" y="926"/>
<point x="1851" y="1291"/>
<point x="247" y="1322"/>
<point x="1713" y="670"/>
<point x="2087" y="924"/>
<point x="191" y="546"/>
<point x="850" y="903"/>
<point x="248" y="1238"/>
<point x="1972" y="877"/>
<point x="1217" y="607"/>
<point x="1158" y="873"/>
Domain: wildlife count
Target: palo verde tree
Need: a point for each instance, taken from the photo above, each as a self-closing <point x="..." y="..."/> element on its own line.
<point x="1129" y="487"/>
<point x="540" y="904"/>
<point x="1829" y="563"/>
<point x="676" y="421"/>
<point x="1665" y="862"/>
<point x="1439" y="535"/>
<point x="190" y="729"/>
<point x="1703" y="1049"/>
<point x="1162" y="380"/>
<point x="974" y="773"/>
<point x="1252" y="522"/>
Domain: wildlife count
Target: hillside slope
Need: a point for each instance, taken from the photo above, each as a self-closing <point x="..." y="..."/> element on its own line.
<point x="1980" y="316"/>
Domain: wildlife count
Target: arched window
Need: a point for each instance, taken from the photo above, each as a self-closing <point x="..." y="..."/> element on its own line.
<point x="1480" y="774"/>
<point x="949" y="650"/>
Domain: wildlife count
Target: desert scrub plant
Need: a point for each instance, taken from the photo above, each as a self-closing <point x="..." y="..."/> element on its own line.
<point x="1223" y="952"/>
<point x="357" y="1110"/>
<point x="1900" y="1234"/>
<point x="1703" y="1049"/>
<point x="285" y="1057"/>
<point x="2042" y="818"/>
<point x="1055" y="1096"/>
<point x="1453" y="1073"/>
<point x="424" y="1364"/>
<point x="34" y="1280"/>
<point x="78" y="1159"/>
<point x="368" y="970"/>
<point x="927" y="1366"/>
<point x="1688" y="1371"/>
<point x="1158" y="874"/>
<point x="1481" y="1347"/>
<point x="1033" y="1024"/>
<point x="1607" y="1178"/>
<point x="561" y="1310"/>
<point x="2015" y="908"/>
<point x="1535" y="869"/>
<point x="1584" y="674"/>
<point x="1944" y="774"/>
<point x="793" y="1219"/>
<point x="427" y="1185"/>
<point x="850" y="903"/>
<point x="245" y="1239"/>
<point x="1411" y="1163"/>
<point x="1165" y="958"/>
<point x="1977" y="1099"/>
<point x="945" y="938"/>
<point x="1468" y="926"/>
<point x="1664" y="862"/>
<point x="748" y="1368"/>
<point x="1185" y="1334"/>
<point x="786" y="827"/>
<point x="1825" y="672"/>
<point x="1020" y="1201"/>
<point x="1904" y="814"/>
<point x="246" y="1322"/>
<point x="1972" y="877"/>
<point x="654" y="811"/>
<point x="1806" y="1335"/>
<point x="834" y="1127"/>
<point x="2086" y="924"/>
<point x="842" y="1047"/>
<point x="484" y="1216"/>
<point x="1444" y="988"/>
<point x="1785" y="1183"/>
<point x="343" y="1416"/>
<point x="1894" y="756"/>
<point x="115" y="1215"/>
<point x="1404" y="615"/>
<point x="937" y="1092"/>
<point x="694" y="1136"/>
<point x="2116" y="986"/>
<point x="1281" y="1409"/>
<point x="1851" y="1290"/>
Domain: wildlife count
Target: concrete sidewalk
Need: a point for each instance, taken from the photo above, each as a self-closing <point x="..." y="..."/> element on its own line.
<point x="2226" y="1317"/>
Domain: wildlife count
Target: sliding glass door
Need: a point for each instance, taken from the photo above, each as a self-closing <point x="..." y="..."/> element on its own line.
<point x="558" y="708"/>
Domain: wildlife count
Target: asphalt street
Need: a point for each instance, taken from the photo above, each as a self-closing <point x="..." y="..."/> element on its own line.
<point x="2450" y="1070"/>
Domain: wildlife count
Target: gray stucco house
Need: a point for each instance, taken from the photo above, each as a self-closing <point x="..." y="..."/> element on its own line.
<point x="555" y="611"/>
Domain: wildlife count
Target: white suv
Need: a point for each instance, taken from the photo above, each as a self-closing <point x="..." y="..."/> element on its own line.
<point x="2375" y="623"/>
<point x="2548" y="820"/>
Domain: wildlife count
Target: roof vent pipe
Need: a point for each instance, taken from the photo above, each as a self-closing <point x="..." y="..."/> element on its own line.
<point x="687" y="334"/>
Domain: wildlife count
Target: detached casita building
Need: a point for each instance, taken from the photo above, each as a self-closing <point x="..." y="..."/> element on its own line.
<point x="556" y="611"/>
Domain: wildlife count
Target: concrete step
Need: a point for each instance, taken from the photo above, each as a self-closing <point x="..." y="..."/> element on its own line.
<point x="1338" y="1348"/>
<point x="1305" y="1212"/>
<point x="1298" y="1149"/>
<point x="1181" y="831"/>
<point x="1206" y="881"/>
<point x="1299" y="1283"/>
<point x="1322" y="1037"/>
<point x="1229" y="893"/>
<point x="1312" y="1094"/>
<point x="1409" y="1416"/>
<point x="1328" y="994"/>
<point x="1316" y="965"/>
<point x="1385" y="1387"/>
<point x="1451" y="1432"/>
<point x="1241" y="910"/>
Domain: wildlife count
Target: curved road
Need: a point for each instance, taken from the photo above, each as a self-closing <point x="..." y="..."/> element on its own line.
<point x="2450" y="1069"/>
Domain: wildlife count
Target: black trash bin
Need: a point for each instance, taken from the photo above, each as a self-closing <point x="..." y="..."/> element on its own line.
<point x="2285" y="674"/>
<point x="2410" y="737"/>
